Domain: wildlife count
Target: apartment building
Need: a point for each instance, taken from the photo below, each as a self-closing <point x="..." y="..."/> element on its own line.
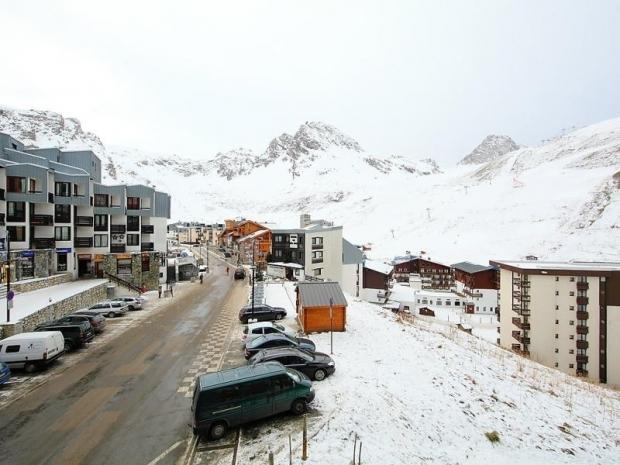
<point x="316" y="245"/>
<point x="479" y="285"/>
<point x="60" y="218"/>
<point x="564" y="315"/>
<point x="434" y="275"/>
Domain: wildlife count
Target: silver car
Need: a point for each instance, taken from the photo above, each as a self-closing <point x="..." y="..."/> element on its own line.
<point x="109" y="308"/>
<point x="134" y="303"/>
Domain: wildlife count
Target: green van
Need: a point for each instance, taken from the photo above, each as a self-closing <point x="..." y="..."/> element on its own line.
<point x="228" y="398"/>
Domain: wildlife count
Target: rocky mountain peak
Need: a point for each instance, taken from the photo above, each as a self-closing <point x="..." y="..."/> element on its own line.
<point x="492" y="147"/>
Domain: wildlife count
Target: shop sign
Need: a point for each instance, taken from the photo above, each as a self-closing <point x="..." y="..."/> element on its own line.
<point x="63" y="250"/>
<point x="27" y="253"/>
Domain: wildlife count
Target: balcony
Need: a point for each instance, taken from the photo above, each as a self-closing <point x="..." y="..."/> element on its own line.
<point x="147" y="247"/>
<point x="117" y="248"/>
<point x="582" y="344"/>
<point x="582" y="329"/>
<point x="83" y="242"/>
<point x="582" y="359"/>
<point x="582" y="286"/>
<point x="520" y="324"/>
<point x="519" y="337"/>
<point x="317" y="260"/>
<point x="581" y="300"/>
<point x="147" y="229"/>
<point x="42" y="220"/>
<point x="317" y="246"/>
<point x="43" y="243"/>
<point x="469" y="292"/>
<point x="101" y="227"/>
<point x="118" y="229"/>
<point x="582" y="315"/>
<point x="83" y="220"/>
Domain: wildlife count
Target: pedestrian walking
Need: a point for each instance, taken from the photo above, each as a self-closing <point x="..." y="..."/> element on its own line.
<point x="159" y="291"/>
<point x="226" y="271"/>
<point x="171" y="290"/>
<point x="201" y="278"/>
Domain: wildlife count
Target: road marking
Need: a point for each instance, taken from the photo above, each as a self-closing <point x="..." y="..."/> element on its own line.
<point x="166" y="452"/>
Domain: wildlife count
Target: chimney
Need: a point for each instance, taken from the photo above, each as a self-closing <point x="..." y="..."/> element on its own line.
<point x="304" y="220"/>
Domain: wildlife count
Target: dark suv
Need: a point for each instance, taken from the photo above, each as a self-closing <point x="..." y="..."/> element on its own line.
<point x="315" y="365"/>
<point x="76" y="334"/>
<point x="261" y="312"/>
<point x="239" y="273"/>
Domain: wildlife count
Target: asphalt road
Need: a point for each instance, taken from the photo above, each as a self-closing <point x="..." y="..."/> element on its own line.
<point x="121" y="404"/>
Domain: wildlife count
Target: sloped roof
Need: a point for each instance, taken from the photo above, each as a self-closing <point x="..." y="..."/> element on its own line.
<point x="351" y="254"/>
<point x="318" y="293"/>
<point x="378" y="266"/>
<point x="471" y="268"/>
<point x="254" y="235"/>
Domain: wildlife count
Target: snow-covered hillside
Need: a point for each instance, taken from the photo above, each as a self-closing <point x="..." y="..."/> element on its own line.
<point x="559" y="200"/>
<point x="489" y="149"/>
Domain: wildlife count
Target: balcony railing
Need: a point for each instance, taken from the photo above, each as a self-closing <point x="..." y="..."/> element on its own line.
<point x="43" y="243"/>
<point x="582" y="359"/>
<point x="41" y="220"/>
<point x="519" y="337"/>
<point x="147" y="247"/>
<point x="317" y="246"/>
<point x="520" y="324"/>
<point x="117" y="248"/>
<point x="471" y="293"/>
<point x="582" y="300"/>
<point x="582" y="329"/>
<point x="118" y="229"/>
<point x="317" y="260"/>
<point x="582" y="285"/>
<point x="83" y="220"/>
<point x="83" y="242"/>
<point x="582" y="315"/>
<point x="582" y="344"/>
<point x="101" y="227"/>
<point x="148" y="229"/>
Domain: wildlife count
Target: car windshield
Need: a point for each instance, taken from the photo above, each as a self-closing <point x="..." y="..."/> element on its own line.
<point x="293" y="375"/>
<point x="279" y="327"/>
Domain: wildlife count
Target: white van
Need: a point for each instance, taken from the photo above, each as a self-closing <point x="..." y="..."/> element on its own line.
<point x="32" y="350"/>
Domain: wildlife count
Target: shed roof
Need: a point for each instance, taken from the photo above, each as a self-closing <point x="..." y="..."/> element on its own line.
<point x="471" y="268"/>
<point x="318" y="293"/>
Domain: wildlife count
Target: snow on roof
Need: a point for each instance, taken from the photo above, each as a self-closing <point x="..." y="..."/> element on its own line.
<point x="378" y="266"/>
<point x="558" y="266"/>
<point x="402" y="293"/>
<point x="318" y="293"/>
<point x="285" y="264"/>
<point x="254" y="235"/>
<point x="471" y="268"/>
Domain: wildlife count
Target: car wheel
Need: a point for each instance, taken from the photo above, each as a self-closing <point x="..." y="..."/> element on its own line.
<point x="298" y="406"/>
<point x="279" y="316"/>
<point x="218" y="430"/>
<point x="68" y="346"/>
<point x="319" y="375"/>
<point x="111" y="314"/>
<point x="30" y="368"/>
<point x="131" y="308"/>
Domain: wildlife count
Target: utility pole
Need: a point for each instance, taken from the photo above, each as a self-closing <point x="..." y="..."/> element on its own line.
<point x="8" y="276"/>
<point x="253" y="273"/>
<point x="331" y="326"/>
<point x="207" y="256"/>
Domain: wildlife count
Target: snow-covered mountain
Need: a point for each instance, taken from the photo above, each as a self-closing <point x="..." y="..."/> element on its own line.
<point x="559" y="200"/>
<point x="489" y="149"/>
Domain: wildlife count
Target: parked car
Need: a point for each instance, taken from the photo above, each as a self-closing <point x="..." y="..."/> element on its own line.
<point x="253" y="330"/>
<point x="261" y="312"/>
<point x="229" y="398"/>
<point x="202" y="269"/>
<point x="109" y="308"/>
<point x="96" y="320"/>
<point x="33" y="350"/>
<point x="314" y="365"/>
<point x="271" y="341"/>
<point x="239" y="273"/>
<point x="133" y="303"/>
<point x="5" y="373"/>
<point x="75" y="335"/>
<point x="87" y="331"/>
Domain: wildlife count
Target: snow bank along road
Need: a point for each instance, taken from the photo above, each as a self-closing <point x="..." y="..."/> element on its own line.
<point x="123" y="402"/>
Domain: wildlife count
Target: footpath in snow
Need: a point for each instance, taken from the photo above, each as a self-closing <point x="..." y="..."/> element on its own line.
<point x="419" y="392"/>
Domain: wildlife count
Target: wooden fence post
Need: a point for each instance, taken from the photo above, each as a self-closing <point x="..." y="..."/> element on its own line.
<point x="304" y="451"/>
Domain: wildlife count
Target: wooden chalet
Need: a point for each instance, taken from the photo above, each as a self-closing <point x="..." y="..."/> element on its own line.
<point x="313" y="301"/>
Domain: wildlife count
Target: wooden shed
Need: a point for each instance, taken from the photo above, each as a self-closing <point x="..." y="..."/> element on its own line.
<point x="313" y="299"/>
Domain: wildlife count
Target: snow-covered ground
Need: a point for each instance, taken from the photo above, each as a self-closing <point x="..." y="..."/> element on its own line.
<point x="30" y="302"/>
<point x="420" y="392"/>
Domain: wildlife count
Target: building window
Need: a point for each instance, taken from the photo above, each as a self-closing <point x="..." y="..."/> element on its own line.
<point x="318" y="271"/>
<point x="133" y="203"/>
<point x="146" y="262"/>
<point x="133" y="239"/>
<point x="101" y="222"/>
<point x="557" y="278"/>
<point x="557" y="307"/>
<point x="62" y="233"/>
<point x="277" y="238"/>
<point x="133" y="223"/>
<point x="571" y="365"/>
<point x="101" y="200"/>
<point x="557" y="336"/>
<point x="572" y="351"/>
<point x="457" y="303"/>
<point x="572" y="336"/>
<point x="572" y="293"/>
<point x="572" y="307"/>
<point x="557" y="350"/>
<point x="123" y="266"/>
<point x="556" y="364"/>
<point x="101" y="240"/>
<point x="63" y="189"/>
<point x="571" y="322"/>
<point x="17" y="233"/>
<point x="557" y="322"/>
<point x="16" y="211"/>
<point x="62" y="213"/>
<point x="557" y="292"/>
<point x="15" y="184"/>
<point x="277" y="253"/>
<point x="61" y="262"/>
<point x="572" y="279"/>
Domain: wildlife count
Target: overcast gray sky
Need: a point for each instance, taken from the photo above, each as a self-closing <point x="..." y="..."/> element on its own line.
<point x="420" y="78"/>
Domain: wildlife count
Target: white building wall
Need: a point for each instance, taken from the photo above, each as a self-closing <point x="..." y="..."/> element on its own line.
<point x="613" y="346"/>
<point x="351" y="279"/>
<point x="159" y="234"/>
<point x="332" y="254"/>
